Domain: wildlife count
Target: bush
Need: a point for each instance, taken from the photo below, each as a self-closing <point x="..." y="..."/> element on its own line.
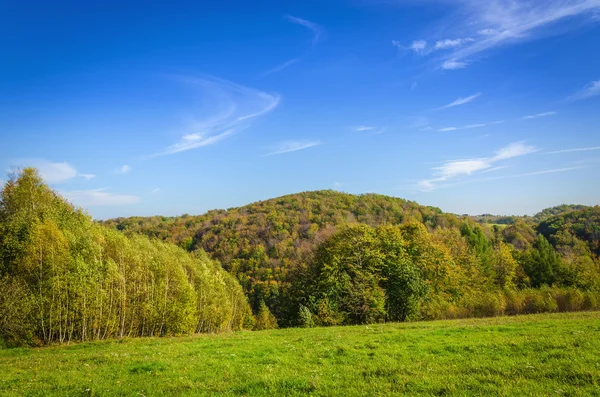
<point x="306" y="317"/>
<point x="264" y="319"/>
<point x="569" y="300"/>
<point x="490" y="304"/>
<point x="515" y="302"/>
<point x="590" y="301"/>
<point x="539" y="301"/>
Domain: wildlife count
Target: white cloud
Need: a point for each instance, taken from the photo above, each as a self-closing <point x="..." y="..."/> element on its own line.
<point x="55" y="172"/>
<point x="461" y="101"/>
<point x="513" y="150"/>
<point x="459" y="168"/>
<point x="230" y="107"/>
<point x="453" y="64"/>
<point x="503" y="22"/>
<point x="583" y="149"/>
<point x="590" y="90"/>
<point x="447" y="129"/>
<point x="447" y="43"/>
<point x="475" y="126"/>
<point x="292" y="146"/>
<point x="492" y="24"/>
<point x="337" y="185"/>
<point x="156" y="190"/>
<point x="364" y="128"/>
<point x="99" y="197"/>
<point x="87" y="177"/>
<point x="419" y="46"/>
<point x="535" y="116"/>
<point x="316" y="29"/>
<point x="125" y="168"/>
<point x="487" y="32"/>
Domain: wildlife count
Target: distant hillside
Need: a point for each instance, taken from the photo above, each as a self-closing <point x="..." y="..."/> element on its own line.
<point x="270" y="245"/>
<point x="583" y="224"/>
<point x="539" y="217"/>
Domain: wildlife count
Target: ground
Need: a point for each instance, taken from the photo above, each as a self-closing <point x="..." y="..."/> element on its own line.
<point x="534" y="355"/>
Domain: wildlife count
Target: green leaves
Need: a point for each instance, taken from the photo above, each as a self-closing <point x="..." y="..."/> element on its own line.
<point x="64" y="278"/>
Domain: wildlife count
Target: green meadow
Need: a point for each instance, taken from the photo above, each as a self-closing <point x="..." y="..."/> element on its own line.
<point x="530" y="355"/>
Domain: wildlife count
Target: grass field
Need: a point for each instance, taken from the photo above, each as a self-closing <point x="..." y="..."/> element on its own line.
<point x="535" y="355"/>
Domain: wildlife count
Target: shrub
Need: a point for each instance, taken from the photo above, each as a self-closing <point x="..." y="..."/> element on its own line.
<point x="515" y="302"/>
<point x="569" y="300"/>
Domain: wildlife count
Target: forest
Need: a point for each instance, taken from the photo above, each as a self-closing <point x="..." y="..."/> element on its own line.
<point x="310" y="259"/>
<point x="330" y="258"/>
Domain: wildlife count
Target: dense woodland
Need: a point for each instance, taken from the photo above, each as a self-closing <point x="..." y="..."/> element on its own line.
<point x="314" y="258"/>
<point x="65" y="278"/>
<point x="331" y="258"/>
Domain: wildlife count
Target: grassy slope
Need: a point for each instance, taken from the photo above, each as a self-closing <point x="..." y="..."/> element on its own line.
<point x="551" y="354"/>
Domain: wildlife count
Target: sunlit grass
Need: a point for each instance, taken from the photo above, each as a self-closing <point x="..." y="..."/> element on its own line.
<point x="550" y="354"/>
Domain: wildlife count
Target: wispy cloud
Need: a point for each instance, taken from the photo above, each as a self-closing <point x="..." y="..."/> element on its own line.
<point x="337" y="185"/>
<point x="124" y="169"/>
<point x="469" y="126"/>
<point x="292" y="146"/>
<point x="536" y="116"/>
<point x="419" y="46"/>
<point x="234" y="107"/>
<point x="590" y="90"/>
<point x="370" y="129"/>
<point x="317" y="32"/>
<point x="52" y="172"/>
<point x="316" y="29"/>
<point x="492" y="24"/>
<point x="453" y="169"/>
<point x="284" y="65"/>
<point x="99" y="197"/>
<point x="87" y="177"/>
<point x="155" y="190"/>
<point x="448" y="43"/>
<point x="583" y="149"/>
<point x="523" y="175"/>
<point x="461" y="101"/>
<point x="453" y="64"/>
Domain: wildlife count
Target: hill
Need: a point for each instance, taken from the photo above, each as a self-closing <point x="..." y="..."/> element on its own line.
<point x="536" y="355"/>
<point x="271" y="247"/>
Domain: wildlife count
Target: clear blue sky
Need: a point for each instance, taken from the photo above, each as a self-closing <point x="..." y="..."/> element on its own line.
<point x="144" y="108"/>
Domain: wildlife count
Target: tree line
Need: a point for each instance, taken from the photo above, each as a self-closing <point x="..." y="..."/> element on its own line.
<point x="65" y="278"/>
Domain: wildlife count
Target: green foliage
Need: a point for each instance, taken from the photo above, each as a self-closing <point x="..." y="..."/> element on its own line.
<point x="264" y="318"/>
<point x="64" y="278"/>
<point x="306" y="317"/>
<point x="542" y="264"/>
<point x="366" y="275"/>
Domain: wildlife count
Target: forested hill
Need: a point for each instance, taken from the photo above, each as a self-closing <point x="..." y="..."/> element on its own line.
<point x="302" y="214"/>
<point x="270" y="245"/>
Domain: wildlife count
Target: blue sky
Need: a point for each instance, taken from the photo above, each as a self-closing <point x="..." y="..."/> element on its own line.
<point x="144" y="108"/>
